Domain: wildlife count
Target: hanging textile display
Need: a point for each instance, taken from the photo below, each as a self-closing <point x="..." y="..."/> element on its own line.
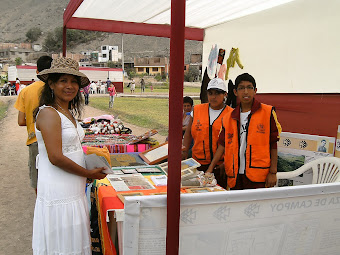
<point x="212" y="62"/>
<point x="234" y="56"/>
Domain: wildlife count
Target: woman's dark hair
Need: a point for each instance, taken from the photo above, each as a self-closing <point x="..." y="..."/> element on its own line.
<point x="45" y="98"/>
<point x="188" y="100"/>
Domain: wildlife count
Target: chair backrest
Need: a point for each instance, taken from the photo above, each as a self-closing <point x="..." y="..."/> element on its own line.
<point x="325" y="170"/>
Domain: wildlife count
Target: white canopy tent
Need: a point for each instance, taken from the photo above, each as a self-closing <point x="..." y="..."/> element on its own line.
<point x="188" y="20"/>
<point x="199" y="13"/>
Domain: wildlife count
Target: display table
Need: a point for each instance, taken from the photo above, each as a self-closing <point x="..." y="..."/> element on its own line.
<point x="111" y="211"/>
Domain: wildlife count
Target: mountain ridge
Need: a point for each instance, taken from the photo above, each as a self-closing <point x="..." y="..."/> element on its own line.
<point x="19" y="16"/>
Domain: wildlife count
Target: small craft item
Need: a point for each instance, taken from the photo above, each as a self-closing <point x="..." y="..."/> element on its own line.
<point x="207" y="179"/>
<point x="143" y="136"/>
<point x="199" y="179"/>
<point x="101" y="117"/>
<point x="107" y="127"/>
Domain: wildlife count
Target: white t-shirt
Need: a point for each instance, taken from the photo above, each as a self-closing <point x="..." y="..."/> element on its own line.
<point x="213" y="114"/>
<point x="243" y="142"/>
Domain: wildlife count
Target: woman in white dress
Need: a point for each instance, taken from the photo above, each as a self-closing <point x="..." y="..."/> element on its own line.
<point x="61" y="218"/>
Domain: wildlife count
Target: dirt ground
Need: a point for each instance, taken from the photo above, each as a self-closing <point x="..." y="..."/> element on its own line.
<point x="17" y="198"/>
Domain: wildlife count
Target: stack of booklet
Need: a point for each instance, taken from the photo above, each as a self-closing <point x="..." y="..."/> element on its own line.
<point x="93" y="161"/>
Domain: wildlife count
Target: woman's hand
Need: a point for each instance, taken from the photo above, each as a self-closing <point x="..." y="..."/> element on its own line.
<point x="96" y="173"/>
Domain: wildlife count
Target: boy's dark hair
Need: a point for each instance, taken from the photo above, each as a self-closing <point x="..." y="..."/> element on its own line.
<point x="188" y="100"/>
<point x="44" y="62"/>
<point x="244" y="77"/>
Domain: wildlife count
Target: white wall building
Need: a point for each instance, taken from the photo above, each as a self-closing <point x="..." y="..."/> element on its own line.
<point x="292" y="48"/>
<point x="109" y="53"/>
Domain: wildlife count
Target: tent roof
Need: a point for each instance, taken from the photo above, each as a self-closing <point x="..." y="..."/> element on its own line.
<point x="149" y="17"/>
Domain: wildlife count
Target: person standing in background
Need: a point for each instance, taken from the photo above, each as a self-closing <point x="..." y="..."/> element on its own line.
<point x="204" y="127"/>
<point x="188" y="104"/>
<point x="113" y="93"/>
<point x="248" y="140"/>
<point x="17" y="86"/>
<point x="86" y="91"/>
<point x="142" y="85"/>
<point x="133" y="86"/>
<point x="26" y="102"/>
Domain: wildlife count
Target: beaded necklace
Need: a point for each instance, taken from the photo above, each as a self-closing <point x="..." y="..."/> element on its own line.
<point x="68" y="114"/>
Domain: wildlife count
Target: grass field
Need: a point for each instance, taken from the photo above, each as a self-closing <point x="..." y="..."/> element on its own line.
<point x="3" y="109"/>
<point x="152" y="113"/>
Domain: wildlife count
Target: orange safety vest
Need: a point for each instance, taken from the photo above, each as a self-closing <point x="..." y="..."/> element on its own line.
<point x="205" y="135"/>
<point x="257" y="149"/>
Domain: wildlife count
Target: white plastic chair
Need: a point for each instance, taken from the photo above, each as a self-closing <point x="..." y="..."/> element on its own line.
<point x="11" y="92"/>
<point x="102" y="89"/>
<point x="93" y="88"/>
<point x="325" y="170"/>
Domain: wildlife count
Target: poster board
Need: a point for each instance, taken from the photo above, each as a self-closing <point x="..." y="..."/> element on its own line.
<point x="337" y="146"/>
<point x="278" y="221"/>
<point x="294" y="150"/>
<point x="155" y="154"/>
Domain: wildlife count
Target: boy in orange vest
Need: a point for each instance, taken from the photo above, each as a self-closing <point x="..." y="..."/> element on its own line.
<point x="249" y="140"/>
<point x="204" y="127"/>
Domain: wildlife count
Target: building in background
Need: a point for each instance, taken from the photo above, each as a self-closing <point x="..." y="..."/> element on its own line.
<point x="195" y="61"/>
<point x="109" y="53"/>
<point x="151" y="66"/>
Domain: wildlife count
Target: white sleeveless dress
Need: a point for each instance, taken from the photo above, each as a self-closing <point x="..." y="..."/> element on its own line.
<point x="61" y="224"/>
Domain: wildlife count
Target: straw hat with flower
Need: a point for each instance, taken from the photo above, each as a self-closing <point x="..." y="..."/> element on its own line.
<point x="64" y="66"/>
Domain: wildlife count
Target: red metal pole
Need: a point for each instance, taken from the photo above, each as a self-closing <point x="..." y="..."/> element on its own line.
<point x="175" y="124"/>
<point x="64" y="41"/>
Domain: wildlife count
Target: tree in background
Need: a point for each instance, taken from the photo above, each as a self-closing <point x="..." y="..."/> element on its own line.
<point x="115" y="64"/>
<point x="131" y="73"/>
<point x="192" y="74"/>
<point x="33" y="34"/>
<point x="53" y="40"/>
<point x="18" y="61"/>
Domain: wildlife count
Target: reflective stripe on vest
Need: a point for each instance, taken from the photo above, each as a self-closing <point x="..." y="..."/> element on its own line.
<point x="257" y="150"/>
<point x="205" y="136"/>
